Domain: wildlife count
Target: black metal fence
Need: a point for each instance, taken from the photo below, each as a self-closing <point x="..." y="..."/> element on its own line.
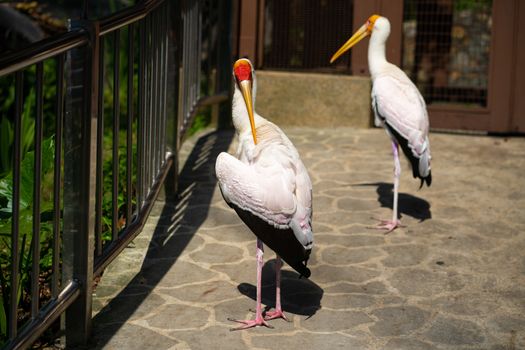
<point x="303" y="35"/>
<point x="446" y="49"/>
<point x="93" y="122"/>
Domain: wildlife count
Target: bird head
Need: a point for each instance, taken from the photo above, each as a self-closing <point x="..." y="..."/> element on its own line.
<point x="244" y="75"/>
<point x="373" y="23"/>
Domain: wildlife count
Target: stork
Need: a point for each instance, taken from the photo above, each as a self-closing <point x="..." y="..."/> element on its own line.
<point x="398" y="107"/>
<point x="268" y="186"/>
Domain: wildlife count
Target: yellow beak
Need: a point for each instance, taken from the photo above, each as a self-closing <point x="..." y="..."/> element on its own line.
<point x="357" y="37"/>
<point x="246" y="89"/>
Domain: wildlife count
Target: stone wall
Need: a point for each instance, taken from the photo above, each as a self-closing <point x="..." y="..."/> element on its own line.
<point x="315" y="100"/>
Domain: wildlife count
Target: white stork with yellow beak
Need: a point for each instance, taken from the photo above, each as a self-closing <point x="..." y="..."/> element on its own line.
<point x="398" y="107"/>
<point x="269" y="188"/>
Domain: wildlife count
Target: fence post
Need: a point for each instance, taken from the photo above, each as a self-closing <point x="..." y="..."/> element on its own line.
<point x="174" y="13"/>
<point x="224" y="61"/>
<point x="79" y="180"/>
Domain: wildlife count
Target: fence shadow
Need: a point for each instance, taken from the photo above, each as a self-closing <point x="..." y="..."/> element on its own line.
<point x="175" y="229"/>
<point x="299" y="296"/>
<point x="410" y="205"/>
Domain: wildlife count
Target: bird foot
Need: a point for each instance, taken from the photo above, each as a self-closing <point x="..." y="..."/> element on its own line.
<point x="388" y="225"/>
<point x="258" y="321"/>
<point x="278" y="313"/>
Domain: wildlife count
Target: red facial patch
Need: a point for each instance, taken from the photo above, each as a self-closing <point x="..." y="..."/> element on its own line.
<point x="243" y="71"/>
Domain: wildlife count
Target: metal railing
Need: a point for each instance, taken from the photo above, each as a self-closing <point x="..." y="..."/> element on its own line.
<point x="126" y="88"/>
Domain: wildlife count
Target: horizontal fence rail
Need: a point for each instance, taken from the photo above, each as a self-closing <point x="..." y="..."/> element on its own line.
<point x="92" y="134"/>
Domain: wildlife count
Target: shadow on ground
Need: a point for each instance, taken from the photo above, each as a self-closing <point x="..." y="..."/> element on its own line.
<point x="299" y="296"/>
<point x="174" y="231"/>
<point x="410" y="205"/>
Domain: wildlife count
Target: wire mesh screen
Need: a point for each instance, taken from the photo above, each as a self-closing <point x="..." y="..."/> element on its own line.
<point x="303" y="35"/>
<point x="446" y="46"/>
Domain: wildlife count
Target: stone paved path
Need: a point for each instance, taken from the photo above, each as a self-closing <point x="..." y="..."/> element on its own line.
<point x="454" y="278"/>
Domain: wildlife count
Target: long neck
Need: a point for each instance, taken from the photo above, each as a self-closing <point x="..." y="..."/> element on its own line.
<point x="376" y="54"/>
<point x="240" y="118"/>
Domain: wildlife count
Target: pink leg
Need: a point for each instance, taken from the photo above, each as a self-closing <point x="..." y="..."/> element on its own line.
<point x="259" y="320"/>
<point x="391" y="225"/>
<point x="278" y="313"/>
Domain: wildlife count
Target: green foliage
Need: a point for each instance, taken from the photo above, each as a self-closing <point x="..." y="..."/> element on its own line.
<point x="26" y="202"/>
<point x="201" y="121"/>
<point x="26" y="187"/>
<point x="461" y="5"/>
<point x="26" y="205"/>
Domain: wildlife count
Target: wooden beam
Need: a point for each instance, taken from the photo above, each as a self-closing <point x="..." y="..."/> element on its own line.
<point x="248" y="29"/>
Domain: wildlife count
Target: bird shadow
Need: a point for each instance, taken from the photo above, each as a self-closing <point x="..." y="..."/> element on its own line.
<point x="408" y="204"/>
<point x="183" y="212"/>
<point x="299" y="296"/>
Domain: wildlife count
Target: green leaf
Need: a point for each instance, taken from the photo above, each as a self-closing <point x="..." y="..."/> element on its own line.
<point x="6" y="140"/>
<point x="3" y="318"/>
<point x="28" y="123"/>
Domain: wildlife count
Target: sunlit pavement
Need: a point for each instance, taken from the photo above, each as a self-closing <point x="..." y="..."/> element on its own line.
<point x="453" y="278"/>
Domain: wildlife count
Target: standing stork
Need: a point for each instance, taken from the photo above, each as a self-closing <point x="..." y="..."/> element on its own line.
<point x="269" y="188"/>
<point x="398" y="107"/>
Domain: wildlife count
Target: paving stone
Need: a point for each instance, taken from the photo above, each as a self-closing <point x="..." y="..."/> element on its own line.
<point x="425" y="283"/>
<point x="453" y="278"/>
<point x="349" y="240"/>
<point x="405" y="255"/>
<point x="214" y="253"/>
<point x="323" y="204"/>
<point x="355" y="204"/>
<point x="172" y="247"/>
<point x="207" y="292"/>
<point x="169" y="272"/>
<point x="471" y="304"/>
<point x="325" y="273"/>
<point x="130" y="336"/>
<point x="234" y="234"/>
<point x="455" y="332"/>
<point x="179" y="317"/>
<point x="348" y="301"/>
<point x="128" y="307"/>
<point x="304" y="340"/>
<point x="508" y="323"/>
<point x="407" y="344"/>
<point x="367" y="288"/>
<point x="346" y="256"/>
<point x="328" y="167"/>
<point x="209" y="338"/>
<point x="333" y="321"/>
<point x="399" y="320"/>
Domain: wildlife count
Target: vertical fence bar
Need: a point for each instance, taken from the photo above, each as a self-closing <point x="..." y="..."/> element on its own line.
<point x="129" y="130"/>
<point x="154" y="80"/>
<point x="57" y="172"/>
<point x="224" y="46"/>
<point x="99" y="193"/>
<point x="197" y="58"/>
<point x="116" y="128"/>
<point x="151" y="101"/>
<point x="140" y="117"/>
<point x="35" y="240"/>
<point x="15" y="249"/>
<point x="160" y="116"/>
<point x="165" y="31"/>
<point x="80" y="182"/>
<point x="147" y="113"/>
<point x="185" y="73"/>
<point x="198" y="14"/>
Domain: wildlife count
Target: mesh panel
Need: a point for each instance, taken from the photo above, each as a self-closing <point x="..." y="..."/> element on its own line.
<point x="303" y="35"/>
<point x="446" y="47"/>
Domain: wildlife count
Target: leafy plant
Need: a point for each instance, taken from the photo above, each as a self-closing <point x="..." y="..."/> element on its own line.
<point x="25" y="221"/>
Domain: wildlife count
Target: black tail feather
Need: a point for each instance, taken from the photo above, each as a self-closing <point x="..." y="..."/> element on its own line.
<point x="281" y="241"/>
<point x="427" y="180"/>
<point x="414" y="162"/>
